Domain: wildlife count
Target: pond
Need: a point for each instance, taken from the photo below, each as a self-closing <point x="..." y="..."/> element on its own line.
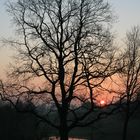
<point x="57" y="138"/>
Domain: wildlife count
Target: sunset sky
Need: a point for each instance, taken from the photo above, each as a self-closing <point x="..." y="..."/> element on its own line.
<point x="127" y="11"/>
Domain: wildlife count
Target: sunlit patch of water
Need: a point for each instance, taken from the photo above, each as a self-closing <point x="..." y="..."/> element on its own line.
<point x="57" y="138"/>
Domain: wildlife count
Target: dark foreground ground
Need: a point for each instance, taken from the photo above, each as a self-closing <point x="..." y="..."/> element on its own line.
<point x="17" y="126"/>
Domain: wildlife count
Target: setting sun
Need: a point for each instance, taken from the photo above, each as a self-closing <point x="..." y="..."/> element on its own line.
<point x="102" y="102"/>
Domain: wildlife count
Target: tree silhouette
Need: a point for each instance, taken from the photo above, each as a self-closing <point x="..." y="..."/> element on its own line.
<point x="130" y="76"/>
<point x="65" y="47"/>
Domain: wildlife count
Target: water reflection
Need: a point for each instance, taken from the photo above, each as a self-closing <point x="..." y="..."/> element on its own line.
<point x="57" y="138"/>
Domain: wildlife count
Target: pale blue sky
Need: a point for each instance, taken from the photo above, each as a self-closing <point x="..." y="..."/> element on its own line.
<point x="128" y="12"/>
<point x="5" y="27"/>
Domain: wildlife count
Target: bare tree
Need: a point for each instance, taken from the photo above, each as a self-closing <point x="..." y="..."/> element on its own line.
<point x="130" y="75"/>
<point x="65" y="47"/>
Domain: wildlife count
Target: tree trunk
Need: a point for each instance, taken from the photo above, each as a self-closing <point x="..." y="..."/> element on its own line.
<point x="125" y="129"/>
<point x="63" y="130"/>
<point x="63" y="134"/>
<point x="125" y="126"/>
